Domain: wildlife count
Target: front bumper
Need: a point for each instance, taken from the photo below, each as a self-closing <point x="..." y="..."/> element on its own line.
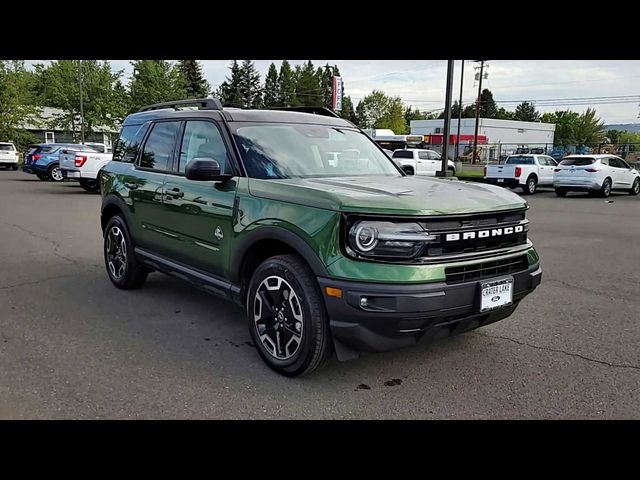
<point x="401" y="315"/>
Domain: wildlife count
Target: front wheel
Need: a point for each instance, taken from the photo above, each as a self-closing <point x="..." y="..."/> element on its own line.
<point x="122" y="267"/>
<point x="635" y="188"/>
<point x="55" y="173"/>
<point x="287" y="319"/>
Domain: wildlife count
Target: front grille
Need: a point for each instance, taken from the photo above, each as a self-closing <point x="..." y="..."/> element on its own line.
<point x="489" y="269"/>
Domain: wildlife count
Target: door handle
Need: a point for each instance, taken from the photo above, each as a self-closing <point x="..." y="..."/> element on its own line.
<point x="174" y="193"/>
<point x="131" y="186"/>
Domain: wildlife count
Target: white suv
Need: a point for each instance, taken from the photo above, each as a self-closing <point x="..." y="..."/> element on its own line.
<point x="8" y="155"/>
<point x="418" y="161"/>
<point x="596" y="174"/>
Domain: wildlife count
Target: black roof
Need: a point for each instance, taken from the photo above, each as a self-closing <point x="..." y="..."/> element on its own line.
<point x="239" y="115"/>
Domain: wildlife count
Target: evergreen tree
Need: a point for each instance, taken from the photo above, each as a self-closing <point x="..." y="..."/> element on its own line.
<point x="526" y="112"/>
<point x="154" y="81"/>
<point x="348" y="112"/>
<point x="271" y="96"/>
<point x="411" y="114"/>
<point x="308" y="85"/>
<point x="229" y="90"/>
<point x="488" y="107"/>
<point x="249" y="85"/>
<point x="193" y="79"/>
<point x="286" y="85"/>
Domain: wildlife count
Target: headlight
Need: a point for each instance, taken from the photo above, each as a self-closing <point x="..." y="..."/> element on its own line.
<point x="387" y="239"/>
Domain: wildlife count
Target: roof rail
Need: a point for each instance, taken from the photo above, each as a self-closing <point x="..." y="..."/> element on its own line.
<point x="202" y="104"/>
<point x="315" y="110"/>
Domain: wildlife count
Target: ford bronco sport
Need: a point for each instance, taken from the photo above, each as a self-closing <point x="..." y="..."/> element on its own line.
<point x="327" y="253"/>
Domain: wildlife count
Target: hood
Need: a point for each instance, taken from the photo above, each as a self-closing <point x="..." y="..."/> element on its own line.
<point x="409" y="195"/>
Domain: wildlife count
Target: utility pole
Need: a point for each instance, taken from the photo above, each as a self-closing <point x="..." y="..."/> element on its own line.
<point x="447" y="120"/>
<point x="475" y="135"/>
<point x="81" y="106"/>
<point x="459" y="111"/>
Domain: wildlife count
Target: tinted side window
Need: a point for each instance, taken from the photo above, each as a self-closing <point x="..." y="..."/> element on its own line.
<point x="203" y="140"/>
<point x="403" y="154"/>
<point x="613" y="162"/>
<point x="126" y="147"/>
<point x="158" y="149"/>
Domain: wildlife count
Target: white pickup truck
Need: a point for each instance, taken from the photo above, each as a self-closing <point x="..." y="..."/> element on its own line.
<point x="418" y="161"/>
<point x="524" y="171"/>
<point x="85" y="166"/>
<point x="8" y="155"/>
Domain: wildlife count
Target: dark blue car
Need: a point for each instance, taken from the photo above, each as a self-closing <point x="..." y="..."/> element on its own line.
<point x="43" y="160"/>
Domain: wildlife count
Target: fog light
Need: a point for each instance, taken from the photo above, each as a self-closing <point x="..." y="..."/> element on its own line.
<point x="364" y="302"/>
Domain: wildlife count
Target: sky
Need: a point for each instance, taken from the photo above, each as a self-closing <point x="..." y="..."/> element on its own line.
<point x="421" y="83"/>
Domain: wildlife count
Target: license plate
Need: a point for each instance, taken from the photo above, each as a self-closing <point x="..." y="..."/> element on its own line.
<point x="496" y="294"/>
<point x="500" y="180"/>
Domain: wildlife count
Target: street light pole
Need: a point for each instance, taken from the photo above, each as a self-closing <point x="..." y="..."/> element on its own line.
<point x="459" y="111"/>
<point x="81" y="106"/>
<point x="475" y="135"/>
<point x="447" y="120"/>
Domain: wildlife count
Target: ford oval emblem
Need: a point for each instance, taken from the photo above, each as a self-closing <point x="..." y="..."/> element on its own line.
<point x="496" y="298"/>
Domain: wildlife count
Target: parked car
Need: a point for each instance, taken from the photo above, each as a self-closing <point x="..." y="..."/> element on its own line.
<point x="596" y="174"/>
<point x="9" y="156"/>
<point x="349" y="257"/>
<point x="44" y="160"/>
<point x="84" y="166"/>
<point x="418" y="161"/>
<point x="524" y="171"/>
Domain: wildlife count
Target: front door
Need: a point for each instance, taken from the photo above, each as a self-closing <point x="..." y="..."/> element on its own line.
<point x="198" y="214"/>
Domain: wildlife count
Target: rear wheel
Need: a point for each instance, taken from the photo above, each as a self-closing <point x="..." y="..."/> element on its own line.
<point x="408" y="170"/>
<point x="287" y="319"/>
<point x="90" y="185"/>
<point x="122" y="266"/>
<point x="561" y="192"/>
<point x="605" y="191"/>
<point x="635" y="188"/>
<point x="15" y="167"/>
<point x="55" y="173"/>
<point x="531" y="186"/>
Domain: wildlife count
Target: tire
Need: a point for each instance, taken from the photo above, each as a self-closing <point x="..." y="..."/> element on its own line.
<point x="531" y="186"/>
<point x="635" y="188"/>
<point x="408" y="170"/>
<point x="453" y="171"/>
<point x="561" y="192"/>
<point x="90" y="185"/>
<point x="120" y="261"/>
<point x="14" y="168"/>
<point x="55" y="174"/>
<point x="272" y="286"/>
<point x="605" y="191"/>
<point x="42" y="176"/>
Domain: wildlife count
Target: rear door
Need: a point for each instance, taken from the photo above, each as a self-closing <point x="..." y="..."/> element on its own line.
<point x="151" y="169"/>
<point x="425" y="164"/>
<point x="197" y="215"/>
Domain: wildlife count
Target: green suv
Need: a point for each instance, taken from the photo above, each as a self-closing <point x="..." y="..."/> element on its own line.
<point x="302" y="219"/>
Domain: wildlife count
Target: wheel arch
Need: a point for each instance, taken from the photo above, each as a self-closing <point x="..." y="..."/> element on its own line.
<point x="111" y="206"/>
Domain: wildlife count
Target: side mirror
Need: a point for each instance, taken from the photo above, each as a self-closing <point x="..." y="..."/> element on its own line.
<point x="205" y="169"/>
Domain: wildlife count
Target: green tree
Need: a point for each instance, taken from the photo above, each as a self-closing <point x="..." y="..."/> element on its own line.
<point x="271" y="96"/>
<point x="229" y="90"/>
<point x="249" y="90"/>
<point x="193" y="79"/>
<point x="488" y="107"/>
<point x="564" y="121"/>
<point x="613" y="135"/>
<point x="348" y="112"/>
<point x="526" y="112"/>
<point x="503" y="114"/>
<point x="16" y="102"/>
<point x="100" y="101"/>
<point x="411" y="114"/>
<point x="378" y="110"/>
<point x="589" y="129"/>
<point x="308" y="88"/>
<point x="286" y="85"/>
<point x="154" y="81"/>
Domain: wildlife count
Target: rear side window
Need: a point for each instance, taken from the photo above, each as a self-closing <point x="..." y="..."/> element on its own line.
<point x="5" y="147"/>
<point x="577" y="161"/>
<point x="403" y="154"/>
<point x="203" y="140"/>
<point x="46" y="149"/>
<point x="126" y="146"/>
<point x="158" y="150"/>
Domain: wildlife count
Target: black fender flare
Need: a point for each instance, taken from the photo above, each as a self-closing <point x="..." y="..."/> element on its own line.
<point x="283" y="235"/>
<point x="118" y="202"/>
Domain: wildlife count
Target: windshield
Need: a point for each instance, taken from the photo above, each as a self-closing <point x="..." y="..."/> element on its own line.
<point x="6" y="147"/>
<point x="519" y="161"/>
<point x="271" y="151"/>
<point x="577" y="161"/>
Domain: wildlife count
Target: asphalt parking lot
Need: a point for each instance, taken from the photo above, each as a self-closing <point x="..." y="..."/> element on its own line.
<point x="73" y="346"/>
